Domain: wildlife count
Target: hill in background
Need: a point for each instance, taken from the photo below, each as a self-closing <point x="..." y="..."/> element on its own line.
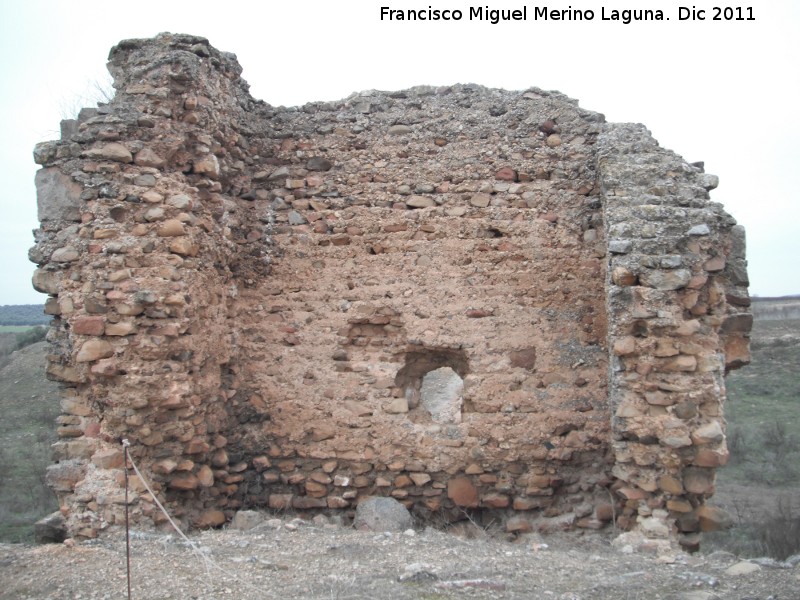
<point x="771" y="309"/>
<point x="29" y="407"/>
<point x="16" y="315"/>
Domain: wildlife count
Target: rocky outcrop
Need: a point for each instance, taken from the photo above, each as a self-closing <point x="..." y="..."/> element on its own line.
<point x="402" y="294"/>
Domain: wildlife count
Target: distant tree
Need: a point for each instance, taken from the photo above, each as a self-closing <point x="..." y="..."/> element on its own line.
<point x="31" y="336"/>
<point x="23" y="314"/>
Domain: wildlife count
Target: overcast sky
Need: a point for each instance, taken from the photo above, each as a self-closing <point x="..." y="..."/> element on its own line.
<point x="725" y="92"/>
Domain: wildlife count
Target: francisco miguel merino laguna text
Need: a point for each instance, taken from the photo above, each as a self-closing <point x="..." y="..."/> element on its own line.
<point x="494" y="16"/>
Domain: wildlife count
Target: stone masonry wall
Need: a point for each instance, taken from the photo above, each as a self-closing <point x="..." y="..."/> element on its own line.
<point x="403" y="294"/>
<point x="678" y="313"/>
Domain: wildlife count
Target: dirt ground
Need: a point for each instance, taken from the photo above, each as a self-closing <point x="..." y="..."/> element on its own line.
<point x="296" y="559"/>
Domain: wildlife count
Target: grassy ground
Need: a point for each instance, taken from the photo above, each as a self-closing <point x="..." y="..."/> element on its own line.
<point x="15" y="328"/>
<point x="29" y="406"/>
<point x="14" y="337"/>
<point x="763" y="409"/>
<point x="760" y="487"/>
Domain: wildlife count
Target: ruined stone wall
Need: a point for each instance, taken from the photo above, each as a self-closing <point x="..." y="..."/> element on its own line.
<point x="402" y="294"/>
<point x="420" y="249"/>
<point x="678" y="313"/>
<point x="143" y="238"/>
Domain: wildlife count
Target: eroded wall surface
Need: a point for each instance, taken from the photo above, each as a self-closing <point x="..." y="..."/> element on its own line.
<point x="424" y="249"/>
<point x="678" y="313"/>
<point x="402" y="294"/>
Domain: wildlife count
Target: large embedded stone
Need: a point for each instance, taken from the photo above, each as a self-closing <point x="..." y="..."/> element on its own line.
<point x="165" y="466"/>
<point x="205" y="476"/>
<point x="382" y="514"/>
<point x="245" y="520"/>
<point x="620" y="246"/>
<point x="114" y="152"/>
<point x="623" y="277"/>
<point x="64" y="476"/>
<point x="713" y="518"/>
<point x="624" y="346"/>
<point x="653" y="527"/>
<point x="506" y="174"/>
<point x="94" y="350"/>
<point x="319" y="163"/>
<point x="208" y="166"/>
<point x="670" y="484"/>
<point x="58" y="372"/>
<point x="154" y="214"/>
<point x="183" y="246"/>
<point x="480" y="200"/>
<point x="308" y="502"/>
<point x="496" y="501"/>
<point x="420" y="478"/>
<point x="108" y="459"/>
<point x="553" y="140"/>
<point x="711" y="458"/>
<point x="420" y="202"/>
<point x="209" y="518"/>
<point x="684" y="363"/>
<point x="711" y="433"/>
<point x="715" y="264"/>
<point x="148" y="158"/>
<point x="524" y="358"/>
<point x="185" y="481"/>
<point x="65" y="254"/>
<point x="462" y="492"/>
<point x="396" y="406"/>
<point x="180" y="201"/>
<point x="665" y="280"/>
<point x="89" y="325"/>
<point x="699" y="230"/>
<point x="171" y="228"/>
<point x="441" y="395"/>
<point x="698" y="480"/>
<point x="46" y="282"/>
<point x="120" y="329"/>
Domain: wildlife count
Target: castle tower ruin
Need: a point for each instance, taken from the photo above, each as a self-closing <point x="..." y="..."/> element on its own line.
<point x="471" y="300"/>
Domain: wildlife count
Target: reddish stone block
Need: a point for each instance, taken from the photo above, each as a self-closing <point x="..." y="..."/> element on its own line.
<point x="462" y="492"/>
<point x="209" y="518"/>
<point x="184" y="481"/>
<point x="506" y="174"/>
<point x="88" y="325"/>
<point x="496" y="501"/>
<point x="524" y="358"/>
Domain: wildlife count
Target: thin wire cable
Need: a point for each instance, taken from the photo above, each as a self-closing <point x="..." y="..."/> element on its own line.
<point x="125" y="445"/>
<point x="207" y="562"/>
